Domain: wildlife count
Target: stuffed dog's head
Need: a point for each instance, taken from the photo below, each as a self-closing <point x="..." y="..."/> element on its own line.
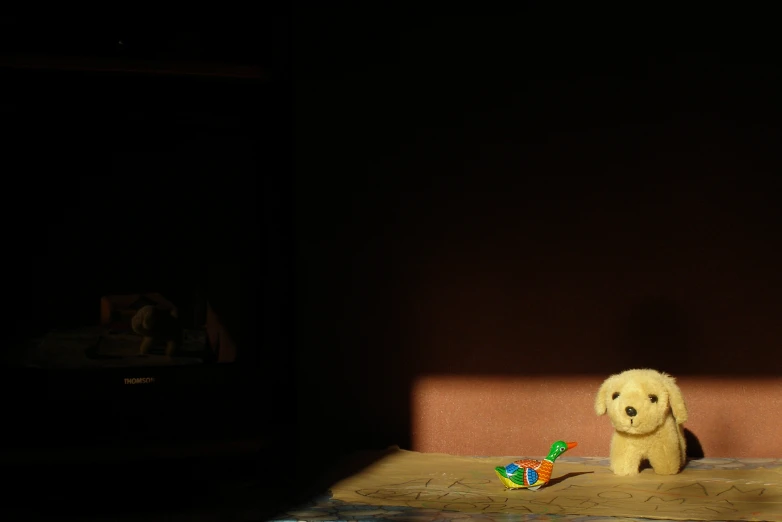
<point x="144" y="321"/>
<point x="157" y="322"/>
<point x="638" y="401"/>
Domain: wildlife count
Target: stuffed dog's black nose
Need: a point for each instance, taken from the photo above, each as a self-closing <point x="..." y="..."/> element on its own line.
<point x="631" y="411"/>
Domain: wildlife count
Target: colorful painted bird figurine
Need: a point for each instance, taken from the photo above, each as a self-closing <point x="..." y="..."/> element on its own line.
<point x="532" y="474"/>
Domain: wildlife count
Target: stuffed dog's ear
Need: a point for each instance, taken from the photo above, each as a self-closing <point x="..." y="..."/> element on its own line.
<point x="675" y="399"/>
<point x="600" y="399"/>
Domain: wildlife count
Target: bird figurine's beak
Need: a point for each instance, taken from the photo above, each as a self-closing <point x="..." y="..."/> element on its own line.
<point x="571" y="445"/>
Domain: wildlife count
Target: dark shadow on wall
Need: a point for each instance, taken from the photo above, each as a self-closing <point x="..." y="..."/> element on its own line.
<point x="658" y="334"/>
<point x="694" y="448"/>
<point x="583" y="214"/>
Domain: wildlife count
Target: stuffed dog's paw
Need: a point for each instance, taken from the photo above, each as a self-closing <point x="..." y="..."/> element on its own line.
<point x="624" y="470"/>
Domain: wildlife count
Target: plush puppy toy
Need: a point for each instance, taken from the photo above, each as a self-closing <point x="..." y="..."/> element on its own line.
<point x="647" y="411"/>
<point x="160" y="325"/>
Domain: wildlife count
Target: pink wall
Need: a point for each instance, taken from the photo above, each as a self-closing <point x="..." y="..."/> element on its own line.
<point x="490" y="415"/>
<point x="547" y="238"/>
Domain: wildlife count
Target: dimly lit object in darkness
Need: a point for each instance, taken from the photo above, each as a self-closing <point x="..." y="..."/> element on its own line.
<point x="116" y="311"/>
<point x="529" y="473"/>
<point x="647" y="411"/>
<point x="157" y="324"/>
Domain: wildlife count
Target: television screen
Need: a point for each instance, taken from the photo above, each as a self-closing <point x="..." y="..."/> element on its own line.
<point x="132" y="214"/>
<point x="128" y="330"/>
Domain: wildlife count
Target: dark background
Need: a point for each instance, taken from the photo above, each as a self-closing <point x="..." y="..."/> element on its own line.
<point x="124" y="183"/>
<point x="553" y="191"/>
<point x="550" y="192"/>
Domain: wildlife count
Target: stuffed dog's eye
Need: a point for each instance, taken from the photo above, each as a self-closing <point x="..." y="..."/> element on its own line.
<point x="615" y="395"/>
<point x="653" y="398"/>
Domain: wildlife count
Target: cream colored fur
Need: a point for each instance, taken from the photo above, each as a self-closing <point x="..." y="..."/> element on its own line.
<point x="655" y="431"/>
<point x="150" y="323"/>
